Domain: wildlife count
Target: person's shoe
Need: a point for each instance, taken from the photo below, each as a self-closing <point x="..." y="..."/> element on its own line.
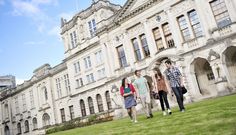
<point x="135" y="121"/>
<point x="148" y="117"/>
<point x="169" y="112"/>
<point x="164" y="113"/>
<point x="182" y="110"/>
<point x="151" y="115"/>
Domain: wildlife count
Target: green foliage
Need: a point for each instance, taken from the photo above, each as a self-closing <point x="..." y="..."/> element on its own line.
<point x="210" y="117"/>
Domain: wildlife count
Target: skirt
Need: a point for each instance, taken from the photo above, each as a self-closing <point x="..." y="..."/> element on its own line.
<point x="130" y="102"/>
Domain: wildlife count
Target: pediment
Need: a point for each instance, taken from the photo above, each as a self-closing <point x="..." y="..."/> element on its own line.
<point x="134" y="6"/>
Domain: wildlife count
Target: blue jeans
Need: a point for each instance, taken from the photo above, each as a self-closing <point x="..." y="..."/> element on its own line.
<point x="179" y="97"/>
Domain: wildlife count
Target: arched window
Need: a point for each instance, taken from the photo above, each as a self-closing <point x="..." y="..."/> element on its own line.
<point x="91" y="107"/>
<point x="18" y="128"/>
<point x="45" y="93"/>
<point x="35" y="123"/>
<point x="108" y="99"/>
<point x="99" y="101"/>
<point x="26" y="126"/>
<point x="82" y="106"/>
<point x="6" y="130"/>
<point x="46" y="119"/>
<point x="6" y="111"/>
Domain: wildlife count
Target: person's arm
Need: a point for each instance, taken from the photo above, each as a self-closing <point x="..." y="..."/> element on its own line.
<point x="137" y="90"/>
<point x="147" y="86"/>
<point x="180" y="77"/>
<point x="167" y="82"/>
<point x="133" y="91"/>
<point x="154" y="84"/>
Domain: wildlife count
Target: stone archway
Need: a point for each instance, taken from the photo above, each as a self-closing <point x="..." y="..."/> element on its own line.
<point x="229" y="58"/>
<point x="204" y="76"/>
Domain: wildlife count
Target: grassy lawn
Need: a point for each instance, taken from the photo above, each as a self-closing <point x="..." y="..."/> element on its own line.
<point x="210" y="117"/>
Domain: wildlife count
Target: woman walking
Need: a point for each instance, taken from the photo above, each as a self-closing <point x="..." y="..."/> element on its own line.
<point x="128" y="92"/>
<point x="160" y="86"/>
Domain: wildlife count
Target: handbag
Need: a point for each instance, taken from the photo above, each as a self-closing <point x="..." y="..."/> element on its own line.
<point x="155" y="95"/>
<point x="184" y="90"/>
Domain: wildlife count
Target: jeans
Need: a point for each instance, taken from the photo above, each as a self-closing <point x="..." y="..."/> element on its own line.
<point x="179" y="97"/>
<point x="163" y="96"/>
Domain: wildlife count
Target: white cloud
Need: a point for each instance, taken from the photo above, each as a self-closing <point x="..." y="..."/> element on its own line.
<point x="19" y="81"/>
<point x="33" y="10"/>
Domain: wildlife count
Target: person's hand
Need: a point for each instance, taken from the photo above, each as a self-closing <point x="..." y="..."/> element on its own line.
<point x="182" y="85"/>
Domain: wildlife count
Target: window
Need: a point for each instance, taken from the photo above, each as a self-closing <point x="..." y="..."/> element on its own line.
<point x="101" y="73"/>
<point x="24" y="103"/>
<point x="195" y="23"/>
<point x="136" y="49"/>
<point x="63" y="116"/>
<point x="99" y="58"/>
<point x="121" y="56"/>
<point x="31" y="98"/>
<point x="26" y="126"/>
<point x="108" y="99"/>
<point x="67" y="83"/>
<point x="184" y="28"/>
<point x="45" y="93"/>
<point x="46" y="119"/>
<point x="87" y="62"/>
<point x="168" y="35"/>
<point x="210" y="76"/>
<point x="92" y="27"/>
<point x="72" y="114"/>
<point x="77" y="67"/>
<point x="17" y="105"/>
<point x="91" y="107"/>
<point x="220" y="13"/>
<point x="73" y="38"/>
<point x="144" y="45"/>
<point x="79" y="82"/>
<point x="90" y="78"/>
<point x="158" y="39"/>
<point x="35" y="123"/>
<point x="99" y="102"/>
<point x="82" y="106"/>
<point x="18" y="128"/>
<point x="6" y="111"/>
<point x="58" y="86"/>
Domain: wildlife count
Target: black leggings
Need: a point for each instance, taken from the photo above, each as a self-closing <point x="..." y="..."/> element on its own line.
<point x="163" y="96"/>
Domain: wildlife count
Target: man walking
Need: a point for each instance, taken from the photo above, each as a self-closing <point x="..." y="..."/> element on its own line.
<point x="143" y="93"/>
<point x="175" y="80"/>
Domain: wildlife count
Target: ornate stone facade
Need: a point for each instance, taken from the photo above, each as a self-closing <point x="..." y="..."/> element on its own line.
<point x="107" y="42"/>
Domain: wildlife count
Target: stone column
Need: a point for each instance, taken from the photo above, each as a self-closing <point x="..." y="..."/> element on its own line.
<point x="150" y="39"/>
<point x="174" y="30"/>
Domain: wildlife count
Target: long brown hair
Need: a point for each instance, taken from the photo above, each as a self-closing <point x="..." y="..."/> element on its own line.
<point x="158" y="73"/>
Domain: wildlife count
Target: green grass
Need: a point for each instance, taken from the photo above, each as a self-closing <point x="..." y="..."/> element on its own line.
<point x="210" y="117"/>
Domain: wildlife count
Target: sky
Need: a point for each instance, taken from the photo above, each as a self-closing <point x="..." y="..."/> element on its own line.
<point x="30" y="33"/>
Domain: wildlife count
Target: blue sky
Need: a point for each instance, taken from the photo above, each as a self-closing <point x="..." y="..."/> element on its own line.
<point x="30" y="33"/>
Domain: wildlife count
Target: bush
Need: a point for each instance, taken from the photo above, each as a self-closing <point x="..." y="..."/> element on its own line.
<point x="93" y="119"/>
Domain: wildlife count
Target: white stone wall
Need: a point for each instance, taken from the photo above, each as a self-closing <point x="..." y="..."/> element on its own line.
<point x="211" y="46"/>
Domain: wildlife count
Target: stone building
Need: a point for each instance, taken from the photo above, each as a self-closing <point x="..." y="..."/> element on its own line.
<point x="107" y="42"/>
<point x="7" y="81"/>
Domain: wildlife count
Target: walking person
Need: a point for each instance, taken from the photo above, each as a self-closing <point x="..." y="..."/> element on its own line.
<point x="143" y="93"/>
<point x="160" y="87"/>
<point x="175" y="80"/>
<point x="128" y="92"/>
